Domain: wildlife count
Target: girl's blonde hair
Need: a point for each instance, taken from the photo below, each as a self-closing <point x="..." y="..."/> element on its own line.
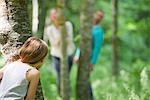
<point x="33" y="50"/>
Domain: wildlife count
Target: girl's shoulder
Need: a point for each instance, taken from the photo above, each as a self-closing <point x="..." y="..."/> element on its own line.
<point x="33" y="74"/>
<point x="34" y="71"/>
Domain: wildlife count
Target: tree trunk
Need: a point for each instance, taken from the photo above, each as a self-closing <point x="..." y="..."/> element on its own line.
<point x="42" y="16"/>
<point x="83" y="75"/>
<point x="35" y="20"/>
<point x="39" y="18"/>
<point x="115" y="69"/>
<point x="64" y="84"/>
<point x="14" y="29"/>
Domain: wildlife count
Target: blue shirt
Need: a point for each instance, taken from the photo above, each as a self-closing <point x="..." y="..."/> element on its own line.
<point x="97" y="41"/>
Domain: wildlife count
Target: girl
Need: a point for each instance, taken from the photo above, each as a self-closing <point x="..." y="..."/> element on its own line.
<point x="53" y="33"/>
<point x="19" y="79"/>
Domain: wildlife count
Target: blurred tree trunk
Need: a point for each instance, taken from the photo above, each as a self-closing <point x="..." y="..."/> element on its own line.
<point x="115" y="69"/>
<point x="83" y="76"/>
<point x="41" y="17"/>
<point x="30" y="8"/>
<point x="14" y="29"/>
<point x="41" y="24"/>
<point x="64" y="84"/>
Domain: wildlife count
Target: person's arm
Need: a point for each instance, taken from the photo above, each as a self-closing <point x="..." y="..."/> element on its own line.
<point x="69" y="28"/>
<point x="45" y="35"/>
<point x="53" y="39"/>
<point x="97" y="42"/>
<point x="76" y="56"/>
<point x="33" y="78"/>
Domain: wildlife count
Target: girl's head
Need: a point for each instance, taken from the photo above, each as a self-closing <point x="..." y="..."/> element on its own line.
<point x="53" y="15"/>
<point x="33" y="52"/>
